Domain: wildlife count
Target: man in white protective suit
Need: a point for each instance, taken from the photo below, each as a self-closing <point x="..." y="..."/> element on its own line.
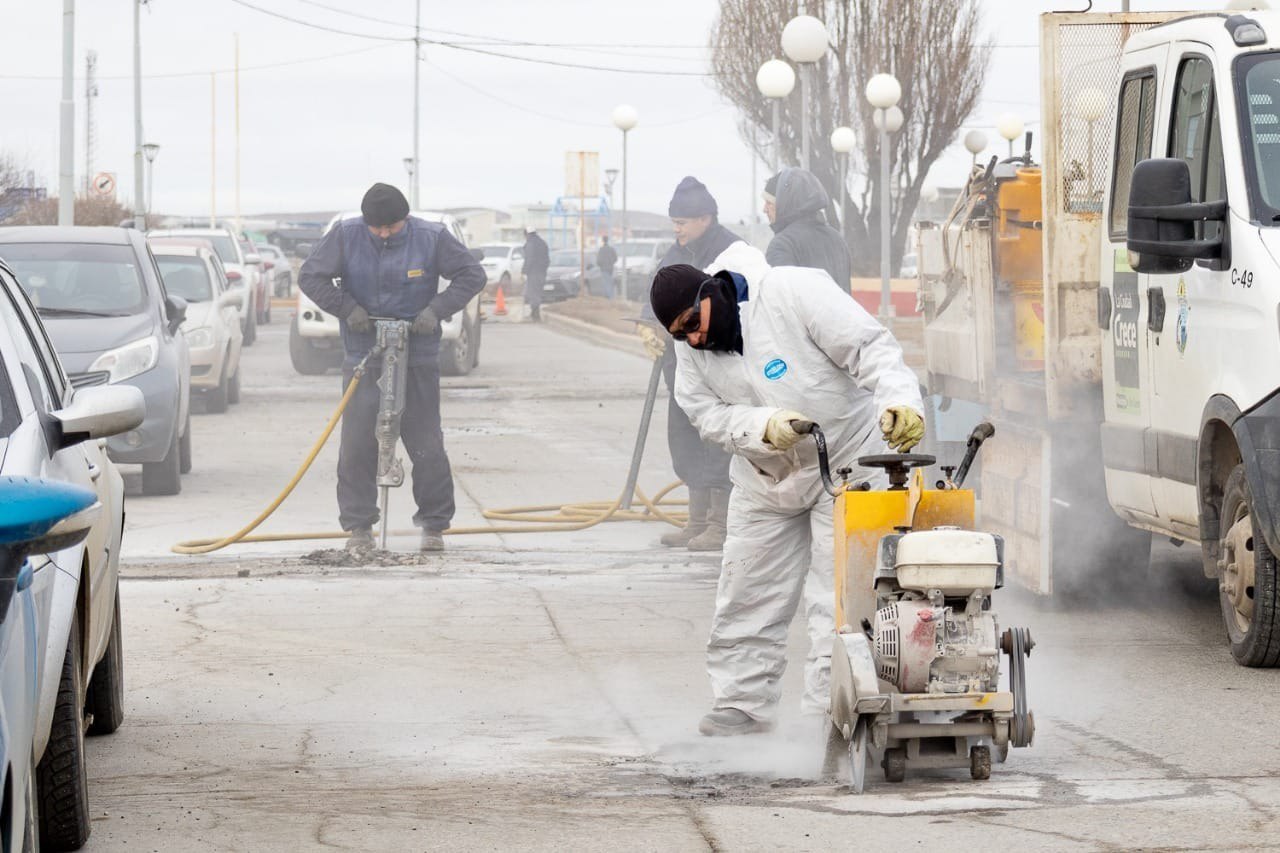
<point x="764" y="350"/>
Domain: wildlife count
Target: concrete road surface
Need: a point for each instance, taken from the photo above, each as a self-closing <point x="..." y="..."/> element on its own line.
<point x="542" y="691"/>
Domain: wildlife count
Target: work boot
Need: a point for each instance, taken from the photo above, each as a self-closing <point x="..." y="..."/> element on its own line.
<point x="535" y="315"/>
<point x="727" y="722"/>
<point x="432" y="540"/>
<point x="695" y="525"/>
<point x="712" y="536"/>
<point x="361" y="539"/>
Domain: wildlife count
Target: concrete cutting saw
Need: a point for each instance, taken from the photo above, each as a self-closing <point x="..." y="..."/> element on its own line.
<point x="915" y="667"/>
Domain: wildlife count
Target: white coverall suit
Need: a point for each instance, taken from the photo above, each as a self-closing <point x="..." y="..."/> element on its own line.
<point x="810" y="348"/>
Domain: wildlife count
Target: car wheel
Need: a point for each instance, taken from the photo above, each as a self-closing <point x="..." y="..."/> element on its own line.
<point x="306" y="360"/>
<point x="475" y="346"/>
<point x="457" y="354"/>
<point x="61" y="780"/>
<point x="215" y="400"/>
<point x="164" y="477"/>
<point x="233" y="387"/>
<point x="184" y="449"/>
<point x="1250" y="582"/>
<point x="505" y="282"/>
<point x="251" y="328"/>
<point x="106" y="686"/>
<point x="265" y="318"/>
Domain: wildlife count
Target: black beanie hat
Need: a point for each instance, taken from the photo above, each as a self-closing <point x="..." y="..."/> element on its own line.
<point x="383" y="205"/>
<point x="771" y="187"/>
<point x="674" y="289"/>
<point x="692" y="198"/>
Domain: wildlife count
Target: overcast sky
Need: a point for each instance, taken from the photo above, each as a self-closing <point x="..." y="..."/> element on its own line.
<point x="335" y="113"/>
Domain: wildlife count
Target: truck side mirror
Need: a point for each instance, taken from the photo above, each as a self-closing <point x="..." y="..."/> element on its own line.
<point x="1162" y="217"/>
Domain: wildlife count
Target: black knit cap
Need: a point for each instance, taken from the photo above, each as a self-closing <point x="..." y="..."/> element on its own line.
<point x="771" y="187"/>
<point x="691" y="199"/>
<point x="674" y="289"/>
<point x="383" y="205"/>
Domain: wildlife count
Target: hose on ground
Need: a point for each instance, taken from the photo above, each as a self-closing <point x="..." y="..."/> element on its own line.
<point x="542" y="518"/>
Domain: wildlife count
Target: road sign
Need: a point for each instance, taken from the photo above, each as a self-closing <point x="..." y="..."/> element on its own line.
<point x="104" y="184"/>
<point x="582" y="173"/>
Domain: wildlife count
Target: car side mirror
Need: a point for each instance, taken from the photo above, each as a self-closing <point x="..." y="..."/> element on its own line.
<point x="175" y="311"/>
<point x="477" y="254"/>
<point x="39" y="517"/>
<point x="98" y="411"/>
<point x="1162" y="235"/>
<point x="268" y="265"/>
<point x="253" y="260"/>
<point x="233" y="297"/>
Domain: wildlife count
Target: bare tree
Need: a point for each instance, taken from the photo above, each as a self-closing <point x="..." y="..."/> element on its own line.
<point x="23" y="203"/>
<point x="931" y="46"/>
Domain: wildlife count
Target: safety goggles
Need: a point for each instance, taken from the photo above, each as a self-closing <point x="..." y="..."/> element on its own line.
<point x="693" y="322"/>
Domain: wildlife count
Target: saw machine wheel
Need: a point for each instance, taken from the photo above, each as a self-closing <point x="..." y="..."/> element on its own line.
<point x="895" y="764"/>
<point x="1017" y="644"/>
<point x="980" y="762"/>
<point x="858" y="756"/>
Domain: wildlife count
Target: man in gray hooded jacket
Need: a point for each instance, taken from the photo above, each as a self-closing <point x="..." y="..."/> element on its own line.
<point x="802" y="237"/>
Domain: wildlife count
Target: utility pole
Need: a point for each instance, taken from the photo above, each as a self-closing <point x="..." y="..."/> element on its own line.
<point x="67" y="141"/>
<point x="139" y="199"/>
<point x="417" y="72"/>
<point x="239" y="227"/>
<point x="213" y="150"/>
<point x="90" y="94"/>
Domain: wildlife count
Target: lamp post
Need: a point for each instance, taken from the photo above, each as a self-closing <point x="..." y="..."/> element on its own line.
<point x="139" y="218"/>
<point x="883" y="92"/>
<point x="610" y="175"/>
<point x="843" y="140"/>
<point x="975" y="142"/>
<point x="1009" y="125"/>
<point x="411" y="166"/>
<point x="1090" y="105"/>
<point x="804" y="41"/>
<point x="775" y="80"/>
<point x="624" y="119"/>
<point x="150" y="150"/>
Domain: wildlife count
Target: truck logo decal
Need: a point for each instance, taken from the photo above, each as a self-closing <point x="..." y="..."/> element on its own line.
<point x="1124" y="335"/>
<point x="775" y="369"/>
<point x="1184" y="312"/>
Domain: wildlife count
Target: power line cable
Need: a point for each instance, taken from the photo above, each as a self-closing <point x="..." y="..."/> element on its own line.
<point x="316" y="26"/>
<point x="177" y="74"/>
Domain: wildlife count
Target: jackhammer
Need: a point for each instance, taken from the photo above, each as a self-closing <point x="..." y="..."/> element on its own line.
<point x="392" y="345"/>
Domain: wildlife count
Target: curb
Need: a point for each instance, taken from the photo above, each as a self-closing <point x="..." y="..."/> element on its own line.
<point x="595" y="334"/>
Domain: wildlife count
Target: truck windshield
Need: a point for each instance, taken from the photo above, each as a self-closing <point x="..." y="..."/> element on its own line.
<point x="1258" y="82"/>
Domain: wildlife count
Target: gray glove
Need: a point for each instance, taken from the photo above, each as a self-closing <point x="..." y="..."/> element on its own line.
<point x="358" y="320"/>
<point x="426" y="323"/>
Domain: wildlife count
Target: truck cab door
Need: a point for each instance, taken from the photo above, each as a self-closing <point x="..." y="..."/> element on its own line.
<point x="1122" y="307"/>
<point x="1184" y="308"/>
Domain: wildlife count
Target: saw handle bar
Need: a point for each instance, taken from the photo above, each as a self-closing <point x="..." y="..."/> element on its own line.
<point x="980" y="433"/>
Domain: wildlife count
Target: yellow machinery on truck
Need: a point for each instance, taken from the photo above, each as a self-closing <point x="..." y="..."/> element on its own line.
<point x="915" y="664"/>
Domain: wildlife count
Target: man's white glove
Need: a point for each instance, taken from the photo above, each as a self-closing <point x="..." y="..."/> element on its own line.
<point x="654" y="345"/>
<point x="780" y="433"/>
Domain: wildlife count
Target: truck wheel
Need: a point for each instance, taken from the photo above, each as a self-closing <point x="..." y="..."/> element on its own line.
<point x="164" y="477"/>
<point x="306" y="360"/>
<point x="1248" y="589"/>
<point x="895" y="764"/>
<point x="250" y="328"/>
<point x="106" y="686"/>
<point x="457" y="354"/>
<point x="184" y="449"/>
<point x="980" y="762"/>
<point x="61" y="775"/>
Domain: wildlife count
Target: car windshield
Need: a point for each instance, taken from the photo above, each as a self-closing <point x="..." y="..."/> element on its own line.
<point x="222" y="245"/>
<point x="1258" y="76"/>
<point x="186" y="277"/>
<point x="78" y="278"/>
<point x="565" y="258"/>
<point x="495" y="251"/>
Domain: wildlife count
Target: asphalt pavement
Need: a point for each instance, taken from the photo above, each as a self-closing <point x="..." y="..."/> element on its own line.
<point x="542" y="691"/>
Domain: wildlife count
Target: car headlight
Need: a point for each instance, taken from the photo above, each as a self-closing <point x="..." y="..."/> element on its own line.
<point x="129" y="360"/>
<point x="200" y="338"/>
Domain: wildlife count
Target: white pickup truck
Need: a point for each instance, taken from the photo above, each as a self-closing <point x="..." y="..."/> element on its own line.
<point x="315" y="342"/>
<point x="1117" y="312"/>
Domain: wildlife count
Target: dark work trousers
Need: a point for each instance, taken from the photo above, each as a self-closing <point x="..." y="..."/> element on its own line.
<point x="700" y="464"/>
<point x="533" y="283"/>
<point x="422" y="437"/>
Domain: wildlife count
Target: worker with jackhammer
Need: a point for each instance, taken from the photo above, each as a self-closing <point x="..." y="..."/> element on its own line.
<point x="762" y="351"/>
<point x="387" y="264"/>
<point x="702" y="242"/>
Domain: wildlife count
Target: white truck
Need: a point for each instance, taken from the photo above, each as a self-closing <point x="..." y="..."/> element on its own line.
<point x="1117" y="312"/>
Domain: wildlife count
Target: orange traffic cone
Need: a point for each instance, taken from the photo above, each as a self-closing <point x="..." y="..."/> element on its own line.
<point x="500" y="303"/>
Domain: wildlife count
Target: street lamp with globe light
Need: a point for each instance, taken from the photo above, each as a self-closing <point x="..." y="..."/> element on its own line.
<point x="1009" y="126"/>
<point x="883" y="92"/>
<point x="624" y="118"/>
<point x="975" y="142"/>
<point x="805" y="41"/>
<point x="150" y="150"/>
<point x="775" y="80"/>
<point x="843" y="141"/>
<point x="1090" y="105"/>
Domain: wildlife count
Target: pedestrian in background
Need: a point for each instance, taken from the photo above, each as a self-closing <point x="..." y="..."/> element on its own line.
<point x="537" y="258"/>
<point x="386" y="263"/>
<point x="606" y="257"/>
<point x="702" y="242"/>
<point x="795" y="203"/>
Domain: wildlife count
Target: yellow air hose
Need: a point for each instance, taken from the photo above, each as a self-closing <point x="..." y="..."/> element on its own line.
<point x="545" y="518"/>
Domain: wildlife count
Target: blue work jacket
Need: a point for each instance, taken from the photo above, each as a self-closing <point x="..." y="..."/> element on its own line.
<point x="395" y="278"/>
